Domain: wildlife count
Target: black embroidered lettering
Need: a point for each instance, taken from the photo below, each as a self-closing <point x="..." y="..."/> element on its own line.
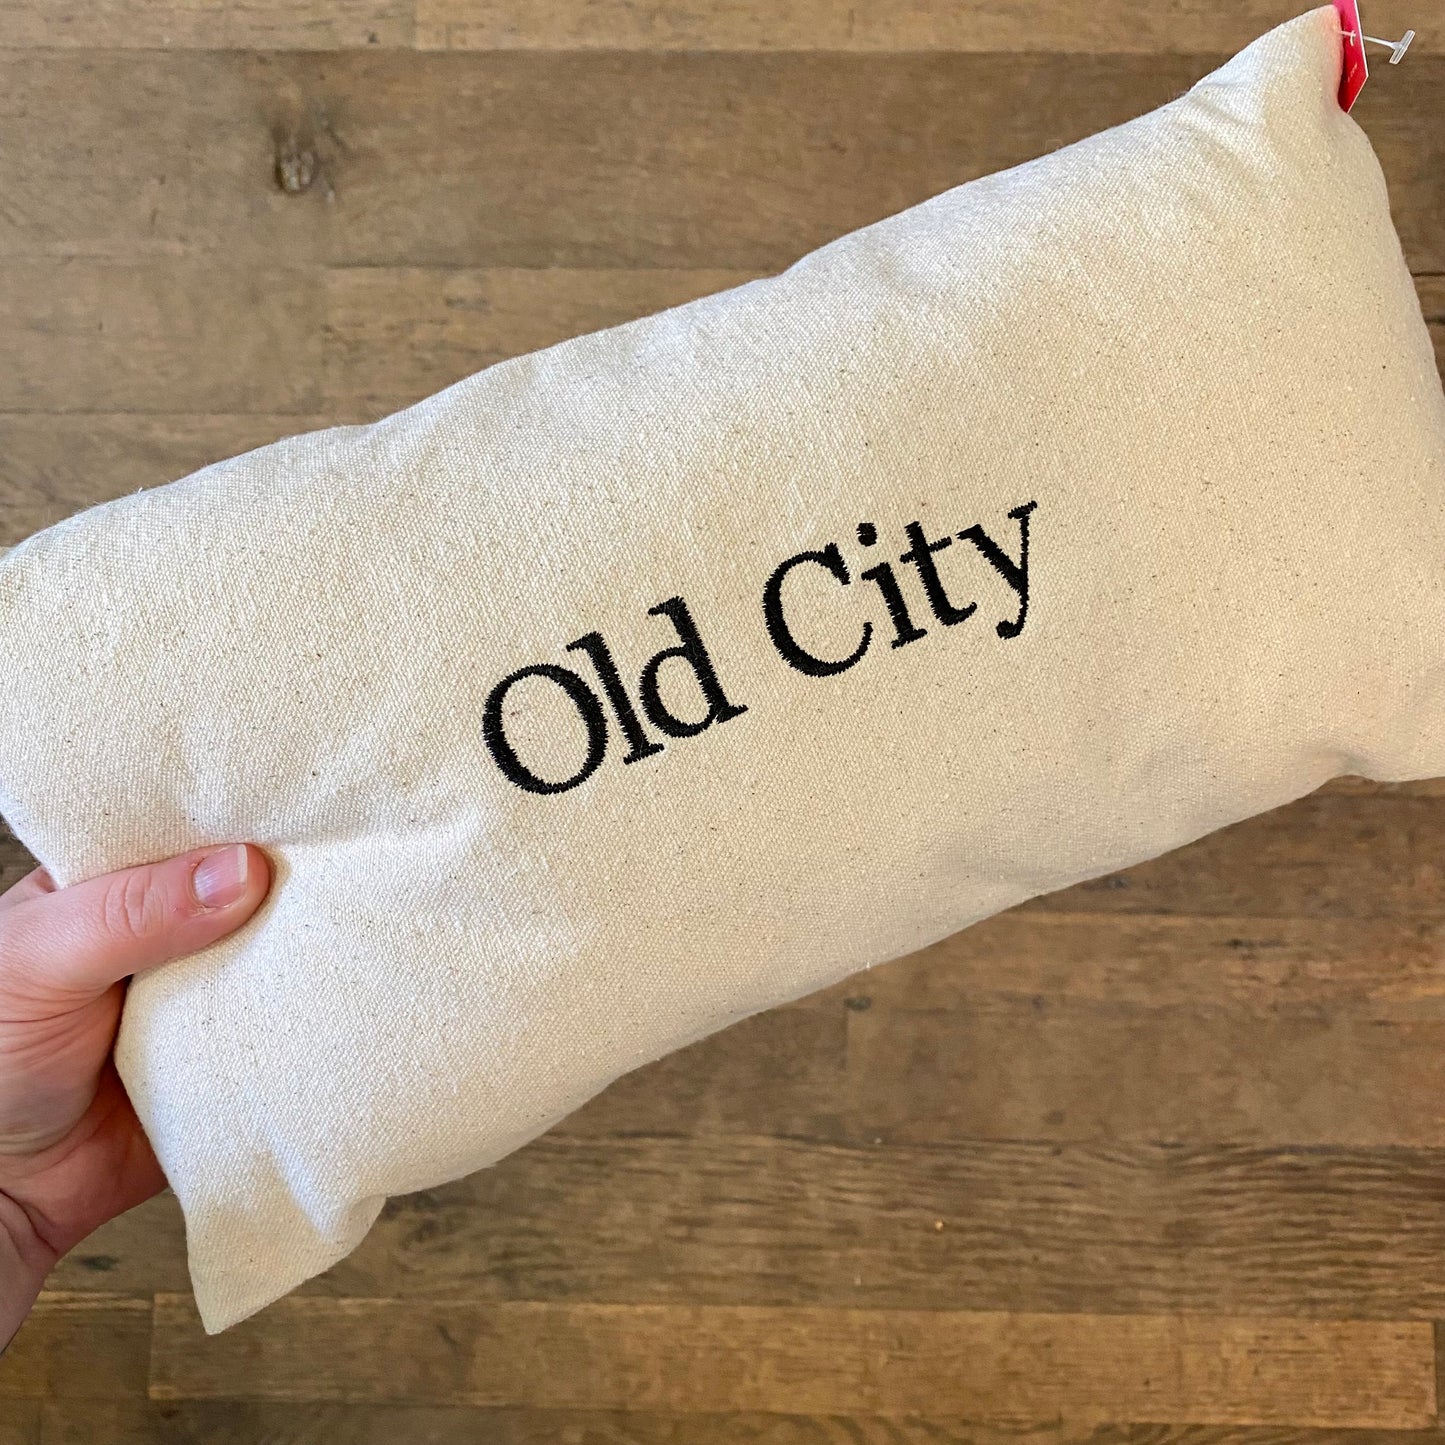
<point x="494" y="732"/>
<point x="691" y="651"/>
<point x="789" y="649"/>
<point x="921" y="555"/>
<point x="1017" y="577"/>
<point x="904" y="631"/>
<point x="640" y="745"/>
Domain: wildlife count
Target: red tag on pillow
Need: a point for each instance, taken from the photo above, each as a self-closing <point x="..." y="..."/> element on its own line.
<point x="1355" y="70"/>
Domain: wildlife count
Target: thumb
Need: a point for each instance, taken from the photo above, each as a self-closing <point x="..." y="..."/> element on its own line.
<point x="72" y="944"/>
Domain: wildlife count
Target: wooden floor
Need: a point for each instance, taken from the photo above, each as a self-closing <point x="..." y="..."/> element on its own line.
<point x="1166" y="1150"/>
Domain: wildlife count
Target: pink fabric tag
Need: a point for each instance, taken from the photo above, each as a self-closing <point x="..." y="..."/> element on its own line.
<point x="1355" y="70"/>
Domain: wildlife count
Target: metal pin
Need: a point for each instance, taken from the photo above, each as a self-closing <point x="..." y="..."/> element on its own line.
<point x="1397" y="47"/>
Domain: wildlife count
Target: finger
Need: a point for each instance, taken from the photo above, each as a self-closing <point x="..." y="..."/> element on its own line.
<point x="32" y="885"/>
<point x="74" y="943"/>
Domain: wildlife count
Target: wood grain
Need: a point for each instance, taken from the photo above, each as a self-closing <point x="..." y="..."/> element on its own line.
<point x="521" y="159"/>
<point x="53" y="465"/>
<point x="20" y="1422"/>
<point x="973" y="1224"/>
<point x="89" y="1346"/>
<point x="207" y="24"/>
<point x="994" y="1365"/>
<point x="1048" y="1070"/>
<point x="1376" y="968"/>
<point x="1115" y="26"/>
<point x="184" y="335"/>
<point x="230" y="1422"/>
<point x="1045" y="1067"/>
<point x="779" y="1072"/>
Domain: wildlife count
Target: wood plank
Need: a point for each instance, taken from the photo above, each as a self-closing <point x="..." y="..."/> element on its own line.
<point x="397" y="334"/>
<point x="511" y="158"/>
<point x="85" y="1346"/>
<point x="1048" y="1067"/>
<point x="246" y="1422"/>
<point x="181" y="335"/>
<point x="1367" y="853"/>
<point x="747" y="161"/>
<point x="1122" y="1228"/>
<point x="1337" y="1373"/>
<point x="1410" y="143"/>
<point x="1128" y="1228"/>
<point x="1377" y="968"/>
<point x="780" y="1072"/>
<point x="1116" y="26"/>
<point x="208" y="24"/>
<point x="1327" y="855"/>
<point x="1040" y="1065"/>
<point x="1305" y="907"/>
<point x="20" y="1423"/>
<point x="239" y="338"/>
<point x="53" y="465"/>
<point x="1041" y="1069"/>
<point x="390" y="336"/>
<point x="1013" y="25"/>
<point x="170" y="154"/>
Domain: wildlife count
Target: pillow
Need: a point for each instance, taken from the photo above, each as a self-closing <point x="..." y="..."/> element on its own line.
<point x="631" y="687"/>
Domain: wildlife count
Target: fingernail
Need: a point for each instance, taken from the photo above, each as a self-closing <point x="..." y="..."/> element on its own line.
<point x="220" y="877"/>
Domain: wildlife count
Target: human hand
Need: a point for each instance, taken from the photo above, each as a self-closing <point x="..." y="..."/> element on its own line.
<point x="72" y="1151"/>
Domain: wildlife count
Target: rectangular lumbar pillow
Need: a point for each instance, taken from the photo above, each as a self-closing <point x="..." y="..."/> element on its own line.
<point x="634" y="686"/>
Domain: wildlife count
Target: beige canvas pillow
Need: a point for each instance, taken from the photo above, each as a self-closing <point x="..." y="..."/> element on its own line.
<point x="634" y="686"/>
